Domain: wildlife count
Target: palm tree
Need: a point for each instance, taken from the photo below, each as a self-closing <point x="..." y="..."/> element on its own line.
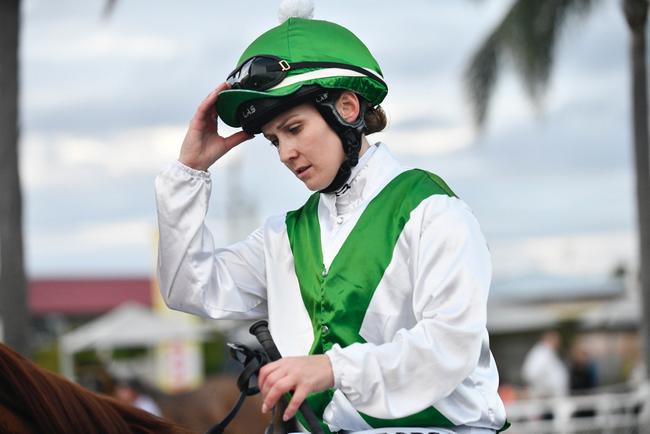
<point x="528" y="33"/>
<point x="13" y="287"/>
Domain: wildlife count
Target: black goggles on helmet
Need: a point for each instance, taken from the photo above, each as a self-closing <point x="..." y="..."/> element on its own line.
<point x="263" y="72"/>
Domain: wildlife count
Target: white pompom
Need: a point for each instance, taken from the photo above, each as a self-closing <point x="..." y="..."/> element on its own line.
<point x="295" y="8"/>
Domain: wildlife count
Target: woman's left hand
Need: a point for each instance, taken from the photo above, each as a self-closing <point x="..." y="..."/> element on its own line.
<point x="300" y="375"/>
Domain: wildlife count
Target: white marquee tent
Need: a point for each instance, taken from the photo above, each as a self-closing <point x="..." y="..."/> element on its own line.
<point x="127" y="326"/>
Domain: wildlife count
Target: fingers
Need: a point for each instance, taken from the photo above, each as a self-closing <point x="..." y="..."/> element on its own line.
<point x="237" y="138"/>
<point x="213" y="96"/>
<point x="206" y="111"/>
<point x="302" y="375"/>
<point x="265" y="372"/>
<point x="282" y="386"/>
<point x="273" y="382"/>
<point x="298" y="398"/>
<point x="269" y="377"/>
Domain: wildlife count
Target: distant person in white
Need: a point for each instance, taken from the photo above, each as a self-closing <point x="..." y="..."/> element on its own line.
<point x="543" y="371"/>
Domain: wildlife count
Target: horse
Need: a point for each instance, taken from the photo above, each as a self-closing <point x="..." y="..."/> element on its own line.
<point x="202" y="408"/>
<point x="36" y="401"/>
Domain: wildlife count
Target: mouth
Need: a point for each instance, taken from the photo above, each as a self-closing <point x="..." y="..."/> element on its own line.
<point x="300" y="171"/>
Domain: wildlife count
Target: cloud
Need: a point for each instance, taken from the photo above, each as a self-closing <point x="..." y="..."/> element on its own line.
<point x="122" y="246"/>
<point x="101" y="43"/>
<point x="105" y="105"/>
<point x="427" y="141"/>
<point x="54" y="160"/>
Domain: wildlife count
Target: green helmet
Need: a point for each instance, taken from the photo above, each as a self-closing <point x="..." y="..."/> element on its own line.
<point x="292" y="57"/>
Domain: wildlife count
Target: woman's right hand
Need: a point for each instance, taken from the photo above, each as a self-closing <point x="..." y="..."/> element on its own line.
<point x="203" y="145"/>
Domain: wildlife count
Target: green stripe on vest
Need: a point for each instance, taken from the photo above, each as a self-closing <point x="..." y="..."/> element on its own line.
<point x="337" y="299"/>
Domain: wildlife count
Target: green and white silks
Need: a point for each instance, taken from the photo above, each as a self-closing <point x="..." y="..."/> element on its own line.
<point x="337" y="299"/>
<point x="405" y="333"/>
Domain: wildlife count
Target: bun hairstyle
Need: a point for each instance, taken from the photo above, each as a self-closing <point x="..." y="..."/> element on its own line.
<point x="376" y="119"/>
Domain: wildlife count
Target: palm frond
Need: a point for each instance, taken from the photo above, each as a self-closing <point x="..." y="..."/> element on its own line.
<point x="481" y="77"/>
<point x="109" y="7"/>
<point x="528" y="35"/>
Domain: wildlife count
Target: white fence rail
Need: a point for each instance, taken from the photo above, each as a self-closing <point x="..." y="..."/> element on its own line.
<point x="599" y="413"/>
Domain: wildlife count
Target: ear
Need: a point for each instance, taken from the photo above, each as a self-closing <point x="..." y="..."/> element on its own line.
<point x="348" y="106"/>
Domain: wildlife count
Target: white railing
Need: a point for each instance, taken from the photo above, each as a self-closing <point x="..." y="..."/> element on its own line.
<point x="598" y="413"/>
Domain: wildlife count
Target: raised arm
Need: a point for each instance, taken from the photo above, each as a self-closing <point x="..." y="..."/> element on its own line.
<point x="194" y="275"/>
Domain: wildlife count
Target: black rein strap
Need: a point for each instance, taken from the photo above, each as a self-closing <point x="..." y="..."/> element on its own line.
<point x="253" y="360"/>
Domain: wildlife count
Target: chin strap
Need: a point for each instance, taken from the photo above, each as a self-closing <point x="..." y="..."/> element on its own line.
<point x="349" y="133"/>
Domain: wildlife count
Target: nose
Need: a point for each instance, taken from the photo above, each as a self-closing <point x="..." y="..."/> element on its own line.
<point x="287" y="150"/>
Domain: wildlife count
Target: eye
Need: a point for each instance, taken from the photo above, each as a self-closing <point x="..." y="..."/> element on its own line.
<point x="295" y="129"/>
<point x="273" y="140"/>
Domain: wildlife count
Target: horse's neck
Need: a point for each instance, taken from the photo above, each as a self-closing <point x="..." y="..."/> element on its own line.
<point x="87" y="411"/>
<point x="10" y="422"/>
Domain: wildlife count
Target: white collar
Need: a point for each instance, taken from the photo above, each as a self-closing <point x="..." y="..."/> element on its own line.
<point x="375" y="168"/>
<point x="361" y="164"/>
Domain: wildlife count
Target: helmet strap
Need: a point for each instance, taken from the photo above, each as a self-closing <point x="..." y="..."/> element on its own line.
<point x="350" y="134"/>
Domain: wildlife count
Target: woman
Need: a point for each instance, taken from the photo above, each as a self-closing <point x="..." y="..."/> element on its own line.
<point x="376" y="288"/>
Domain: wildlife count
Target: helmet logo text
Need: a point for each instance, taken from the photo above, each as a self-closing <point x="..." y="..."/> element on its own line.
<point x="249" y="111"/>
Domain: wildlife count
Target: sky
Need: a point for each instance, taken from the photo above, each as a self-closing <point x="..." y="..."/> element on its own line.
<point x="105" y="103"/>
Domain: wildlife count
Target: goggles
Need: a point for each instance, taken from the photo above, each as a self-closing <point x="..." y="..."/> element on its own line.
<point x="264" y="72"/>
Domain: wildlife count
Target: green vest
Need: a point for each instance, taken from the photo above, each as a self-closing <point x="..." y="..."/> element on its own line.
<point x="337" y="299"/>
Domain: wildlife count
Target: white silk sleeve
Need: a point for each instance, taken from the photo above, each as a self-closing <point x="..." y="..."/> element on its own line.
<point x="195" y="276"/>
<point x="449" y="270"/>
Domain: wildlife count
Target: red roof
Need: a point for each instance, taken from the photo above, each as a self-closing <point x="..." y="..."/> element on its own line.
<point x="86" y="296"/>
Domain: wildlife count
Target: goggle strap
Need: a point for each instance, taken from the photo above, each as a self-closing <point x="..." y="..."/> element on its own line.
<point x="283" y="65"/>
<point x="364" y="71"/>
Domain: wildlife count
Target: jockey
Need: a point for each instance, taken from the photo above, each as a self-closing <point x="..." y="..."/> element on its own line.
<point x="376" y="288"/>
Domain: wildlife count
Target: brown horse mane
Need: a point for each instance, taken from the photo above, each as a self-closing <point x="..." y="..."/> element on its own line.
<point x="48" y="403"/>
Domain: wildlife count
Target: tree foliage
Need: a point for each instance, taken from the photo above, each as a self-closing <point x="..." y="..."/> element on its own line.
<point x="528" y="37"/>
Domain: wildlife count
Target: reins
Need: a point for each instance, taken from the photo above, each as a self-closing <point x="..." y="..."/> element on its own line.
<point x="253" y="360"/>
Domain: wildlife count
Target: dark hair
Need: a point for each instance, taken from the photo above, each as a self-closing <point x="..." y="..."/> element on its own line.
<point x="376" y="119"/>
